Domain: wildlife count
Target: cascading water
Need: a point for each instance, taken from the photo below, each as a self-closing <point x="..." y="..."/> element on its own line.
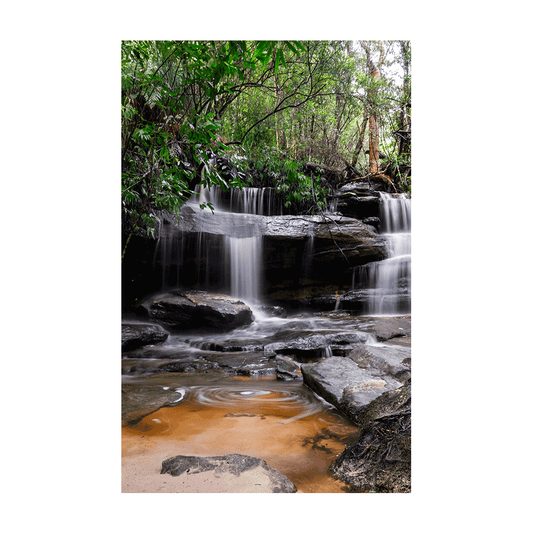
<point x="245" y="267"/>
<point x="249" y="200"/>
<point x="231" y="261"/>
<point x="389" y="281"/>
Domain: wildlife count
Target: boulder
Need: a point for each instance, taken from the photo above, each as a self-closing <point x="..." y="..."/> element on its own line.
<point x="137" y="335"/>
<point x="234" y="473"/>
<point x="380" y="461"/>
<point x="198" y="309"/>
<point x="341" y="382"/>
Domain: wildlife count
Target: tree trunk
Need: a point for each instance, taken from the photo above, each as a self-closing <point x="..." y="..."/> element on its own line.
<point x="405" y="117"/>
<point x="359" y="145"/>
<point x="373" y="119"/>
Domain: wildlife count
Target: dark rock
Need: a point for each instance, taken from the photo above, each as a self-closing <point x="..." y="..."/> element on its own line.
<point x="198" y="309"/>
<point x="274" y="310"/>
<point x="331" y="377"/>
<point x="229" y="467"/>
<point x="137" y="335"/>
<point x="372" y="221"/>
<point x="286" y="369"/>
<point x="380" y="461"/>
<point x="303" y="348"/>
<point x="357" y="201"/>
<point x="246" y="363"/>
<point x="188" y="366"/>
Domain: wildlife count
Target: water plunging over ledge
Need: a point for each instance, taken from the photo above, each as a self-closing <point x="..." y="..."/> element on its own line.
<point x="388" y="282"/>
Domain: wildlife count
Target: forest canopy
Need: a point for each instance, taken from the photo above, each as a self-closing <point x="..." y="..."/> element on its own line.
<point x="238" y="113"/>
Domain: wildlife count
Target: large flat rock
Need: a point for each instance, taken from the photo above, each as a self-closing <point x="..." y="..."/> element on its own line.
<point x="232" y="473"/>
<point x="334" y="377"/>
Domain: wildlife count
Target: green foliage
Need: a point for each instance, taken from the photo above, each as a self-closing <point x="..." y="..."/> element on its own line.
<point x="285" y="174"/>
<point x="268" y="105"/>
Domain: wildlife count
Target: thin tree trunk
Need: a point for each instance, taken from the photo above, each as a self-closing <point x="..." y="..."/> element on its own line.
<point x="373" y="120"/>
<point x="359" y="145"/>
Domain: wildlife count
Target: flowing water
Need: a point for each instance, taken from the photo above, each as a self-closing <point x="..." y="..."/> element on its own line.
<point x="388" y="282"/>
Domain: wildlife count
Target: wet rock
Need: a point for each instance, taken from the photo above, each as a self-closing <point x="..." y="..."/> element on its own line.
<point x="286" y="369"/>
<point x="198" y="309"/>
<point x="380" y="461"/>
<point x="358" y="201"/>
<point x="274" y="311"/>
<point x="245" y="364"/>
<point x="372" y="221"/>
<point x="228" y="345"/>
<point x="385" y="328"/>
<point x="188" y="366"/>
<point x="139" y="401"/>
<point x="137" y="335"/>
<point x="303" y="348"/>
<point x="383" y="360"/>
<point x="228" y="473"/>
<point x="331" y="377"/>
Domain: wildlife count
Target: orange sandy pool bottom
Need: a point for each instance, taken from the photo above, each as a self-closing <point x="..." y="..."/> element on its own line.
<point x="300" y="448"/>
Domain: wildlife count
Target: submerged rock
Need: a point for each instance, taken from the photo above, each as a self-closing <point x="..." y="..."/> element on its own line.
<point x="198" y="309"/>
<point x="139" y="401"/>
<point x="137" y="335"/>
<point x="380" y="461"/>
<point x="234" y="473"/>
<point x="244" y="363"/>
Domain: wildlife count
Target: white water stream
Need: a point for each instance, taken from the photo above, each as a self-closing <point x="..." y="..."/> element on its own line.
<point x="390" y="280"/>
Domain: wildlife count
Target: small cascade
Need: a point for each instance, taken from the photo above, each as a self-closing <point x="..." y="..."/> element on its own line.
<point x="337" y="301"/>
<point x="255" y="201"/>
<point x="332" y="206"/>
<point x="388" y="282"/>
<point x="249" y="200"/>
<point x="326" y="352"/>
<point x="168" y="253"/>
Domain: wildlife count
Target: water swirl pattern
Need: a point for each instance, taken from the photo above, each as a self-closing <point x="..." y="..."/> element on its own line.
<point x="289" y="401"/>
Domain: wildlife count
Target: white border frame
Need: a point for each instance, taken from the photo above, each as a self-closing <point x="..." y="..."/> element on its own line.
<point x="113" y="31"/>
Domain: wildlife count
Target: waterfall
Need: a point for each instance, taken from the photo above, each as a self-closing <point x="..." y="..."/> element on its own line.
<point x="224" y="252"/>
<point x="245" y="267"/>
<point x="388" y="282"/>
